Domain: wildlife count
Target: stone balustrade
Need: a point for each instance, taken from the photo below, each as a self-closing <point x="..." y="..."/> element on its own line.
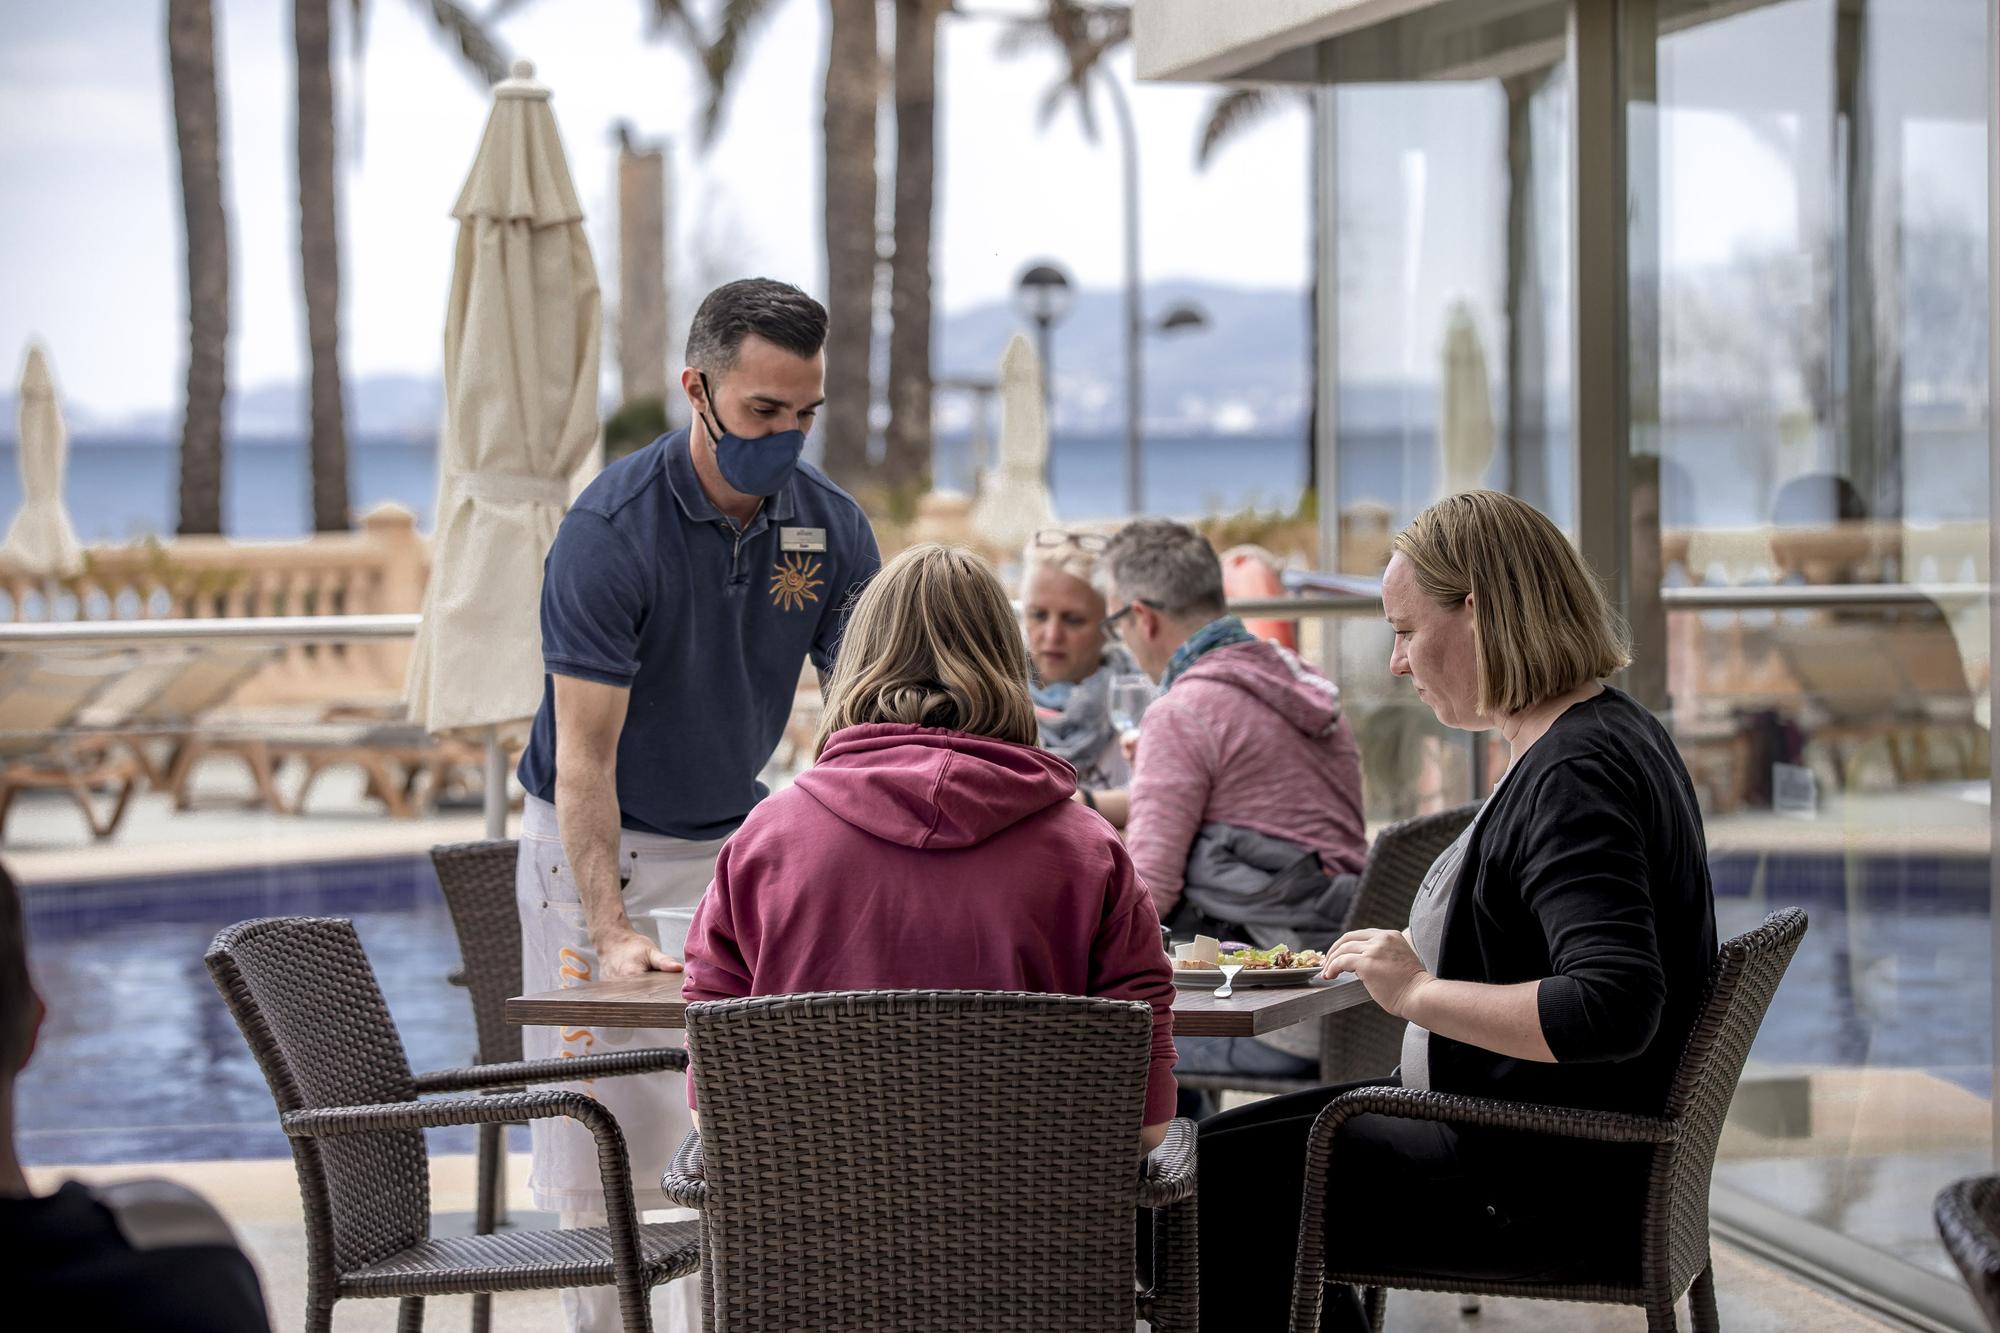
<point x="379" y="568"/>
<point x="1720" y="655"/>
<point x="1715" y="657"/>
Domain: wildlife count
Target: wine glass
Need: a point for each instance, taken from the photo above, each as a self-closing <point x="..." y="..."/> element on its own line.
<point x="1130" y="693"/>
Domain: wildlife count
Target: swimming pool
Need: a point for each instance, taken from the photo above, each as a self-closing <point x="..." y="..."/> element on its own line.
<point x="139" y="1061"/>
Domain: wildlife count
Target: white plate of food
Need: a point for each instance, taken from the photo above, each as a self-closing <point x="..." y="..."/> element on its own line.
<point x="1278" y="966"/>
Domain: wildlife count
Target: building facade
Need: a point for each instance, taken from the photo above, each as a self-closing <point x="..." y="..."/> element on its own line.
<point x="1713" y="284"/>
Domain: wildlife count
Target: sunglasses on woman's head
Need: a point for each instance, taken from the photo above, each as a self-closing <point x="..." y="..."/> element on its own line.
<point x="1049" y="538"/>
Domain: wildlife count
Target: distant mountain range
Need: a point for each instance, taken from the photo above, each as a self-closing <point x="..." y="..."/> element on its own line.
<point x="1245" y="372"/>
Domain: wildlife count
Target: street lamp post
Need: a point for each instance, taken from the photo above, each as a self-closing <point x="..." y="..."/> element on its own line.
<point x="1182" y="317"/>
<point x="1128" y="137"/>
<point x="1043" y="294"/>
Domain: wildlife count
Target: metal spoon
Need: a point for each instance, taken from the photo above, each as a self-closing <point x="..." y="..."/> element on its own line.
<point x="1228" y="986"/>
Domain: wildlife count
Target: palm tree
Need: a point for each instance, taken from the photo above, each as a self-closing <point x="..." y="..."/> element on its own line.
<point x="319" y="229"/>
<point x="198" y="136"/>
<point x="853" y="91"/>
<point x="1086" y="34"/>
<point x="319" y="261"/>
<point x="906" y="455"/>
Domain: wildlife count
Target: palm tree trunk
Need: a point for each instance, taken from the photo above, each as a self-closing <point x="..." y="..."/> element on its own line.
<point x="198" y="135"/>
<point x="319" y="256"/>
<point x="853" y="68"/>
<point x="907" y="455"/>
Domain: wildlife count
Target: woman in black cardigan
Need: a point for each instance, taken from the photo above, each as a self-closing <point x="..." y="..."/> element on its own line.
<point x="1556" y="952"/>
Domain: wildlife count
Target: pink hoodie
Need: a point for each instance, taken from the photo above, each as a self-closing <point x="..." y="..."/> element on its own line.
<point x="914" y="858"/>
<point x="1252" y="737"/>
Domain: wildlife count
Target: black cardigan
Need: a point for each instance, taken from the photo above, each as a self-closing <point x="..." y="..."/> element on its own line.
<point x="1588" y="871"/>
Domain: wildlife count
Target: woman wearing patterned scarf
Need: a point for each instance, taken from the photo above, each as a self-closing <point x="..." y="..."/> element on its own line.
<point x="1062" y="616"/>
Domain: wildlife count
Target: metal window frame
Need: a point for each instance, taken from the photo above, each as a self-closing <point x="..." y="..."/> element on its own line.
<point x="1611" y="48"/>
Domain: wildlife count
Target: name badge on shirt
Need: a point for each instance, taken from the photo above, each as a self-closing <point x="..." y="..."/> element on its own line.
<point x="801" y="539"/>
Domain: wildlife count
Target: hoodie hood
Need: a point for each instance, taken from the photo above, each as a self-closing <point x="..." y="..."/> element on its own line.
<point x="926" y="787"/>
<point x="1276" y="678"/>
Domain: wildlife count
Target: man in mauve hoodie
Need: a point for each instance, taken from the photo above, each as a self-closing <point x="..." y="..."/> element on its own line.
<point x="1246" y="790"/>
<point x="916" y="858"/>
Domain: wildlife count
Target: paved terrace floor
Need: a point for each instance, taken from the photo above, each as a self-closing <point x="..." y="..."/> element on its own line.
<point x="48" y="842"/>
<point x="47" y="839"/>
<point x="262" y="1203"/>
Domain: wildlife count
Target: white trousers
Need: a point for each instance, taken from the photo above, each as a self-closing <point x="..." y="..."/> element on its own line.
<point x="652" y="1109"/>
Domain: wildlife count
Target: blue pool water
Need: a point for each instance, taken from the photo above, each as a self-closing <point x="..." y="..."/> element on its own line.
<point x="139" y="1061"/>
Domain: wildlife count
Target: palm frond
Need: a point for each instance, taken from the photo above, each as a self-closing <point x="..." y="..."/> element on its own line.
<point x="737" y="22"/>
<point x="1234" y="112"/>
<point x="676" y="14"/>
<point x="1023" y="34"/>
<point x="468" y="32"/>
<point x="1052" y="100"/>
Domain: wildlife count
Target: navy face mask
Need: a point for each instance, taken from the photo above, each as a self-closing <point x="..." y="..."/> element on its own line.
<point x="756" y="466"/>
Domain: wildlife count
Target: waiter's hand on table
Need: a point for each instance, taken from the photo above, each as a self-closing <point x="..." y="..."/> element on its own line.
<point x="624" y="952"/>
<point x="1386" y="963"/>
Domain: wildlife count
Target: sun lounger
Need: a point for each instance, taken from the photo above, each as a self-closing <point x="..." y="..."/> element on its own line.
<point x="44" y="699"/>
<point x="186" y="688"/>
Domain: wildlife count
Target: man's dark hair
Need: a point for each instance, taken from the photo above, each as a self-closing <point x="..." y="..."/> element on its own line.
<point x="777" y="312"/>
<point x="17" y="994"/>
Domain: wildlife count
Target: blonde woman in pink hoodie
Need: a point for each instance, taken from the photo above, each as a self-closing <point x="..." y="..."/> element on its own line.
<point x="933" y="844"/>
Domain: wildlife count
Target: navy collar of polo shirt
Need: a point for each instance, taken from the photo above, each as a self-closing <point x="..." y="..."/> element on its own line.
<point x="677" y="457"/>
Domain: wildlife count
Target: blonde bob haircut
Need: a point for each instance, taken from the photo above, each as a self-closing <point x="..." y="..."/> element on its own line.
<point x="1541" y="625"/>
<point x="932" y="642"/>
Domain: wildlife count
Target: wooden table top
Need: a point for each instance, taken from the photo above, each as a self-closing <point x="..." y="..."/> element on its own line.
<point x="654" y="1001"/>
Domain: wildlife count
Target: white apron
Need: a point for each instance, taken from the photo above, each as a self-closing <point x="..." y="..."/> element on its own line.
<point x="556" y="952"/>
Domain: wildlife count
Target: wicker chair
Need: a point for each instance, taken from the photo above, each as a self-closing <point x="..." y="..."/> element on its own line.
<point x="477" y="879"/>
<point x="1365" y="1042"/>
<point x="302" y="992"/>
<point x="916" y="1160"/>
<point x="1968" y="1217"/>
<point x="1674" y="1228"/>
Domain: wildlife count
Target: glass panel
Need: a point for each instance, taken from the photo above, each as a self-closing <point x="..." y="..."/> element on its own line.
<point x="1423" y="366"/>
<point x="1453" y="349"/>
<point x="1823" y="400"/>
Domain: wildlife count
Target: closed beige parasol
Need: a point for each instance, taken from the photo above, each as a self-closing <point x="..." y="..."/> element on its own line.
<point x="520" y="379"/>
<point x="41" y="539"/>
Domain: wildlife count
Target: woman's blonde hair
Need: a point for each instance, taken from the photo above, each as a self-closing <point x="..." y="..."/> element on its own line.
<point x="1541" y="625"/>
<point x="932" y="642"/>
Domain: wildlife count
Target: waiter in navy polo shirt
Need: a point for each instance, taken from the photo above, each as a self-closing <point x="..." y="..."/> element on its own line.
<point x="686" y="586"/>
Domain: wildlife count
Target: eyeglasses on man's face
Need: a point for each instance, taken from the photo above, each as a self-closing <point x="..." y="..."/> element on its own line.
<point x="1050" y="538"/>
<point x="1116" y="621"/>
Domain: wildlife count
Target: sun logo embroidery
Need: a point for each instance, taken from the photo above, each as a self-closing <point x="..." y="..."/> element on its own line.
<point x="794" y="582"/>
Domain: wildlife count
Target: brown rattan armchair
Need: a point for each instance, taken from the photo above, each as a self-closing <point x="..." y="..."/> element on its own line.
<point x="1365" y="1042"/>
<point x="477" y="880"/>
<point x="1968" y="1217"/>
<point x="1674" y="1228"/>
<point x="922" y="1160"/>
<point x="303" y="994"/>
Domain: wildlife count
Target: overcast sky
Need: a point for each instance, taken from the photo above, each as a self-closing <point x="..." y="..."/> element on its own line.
<point x="90" y="240"/>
